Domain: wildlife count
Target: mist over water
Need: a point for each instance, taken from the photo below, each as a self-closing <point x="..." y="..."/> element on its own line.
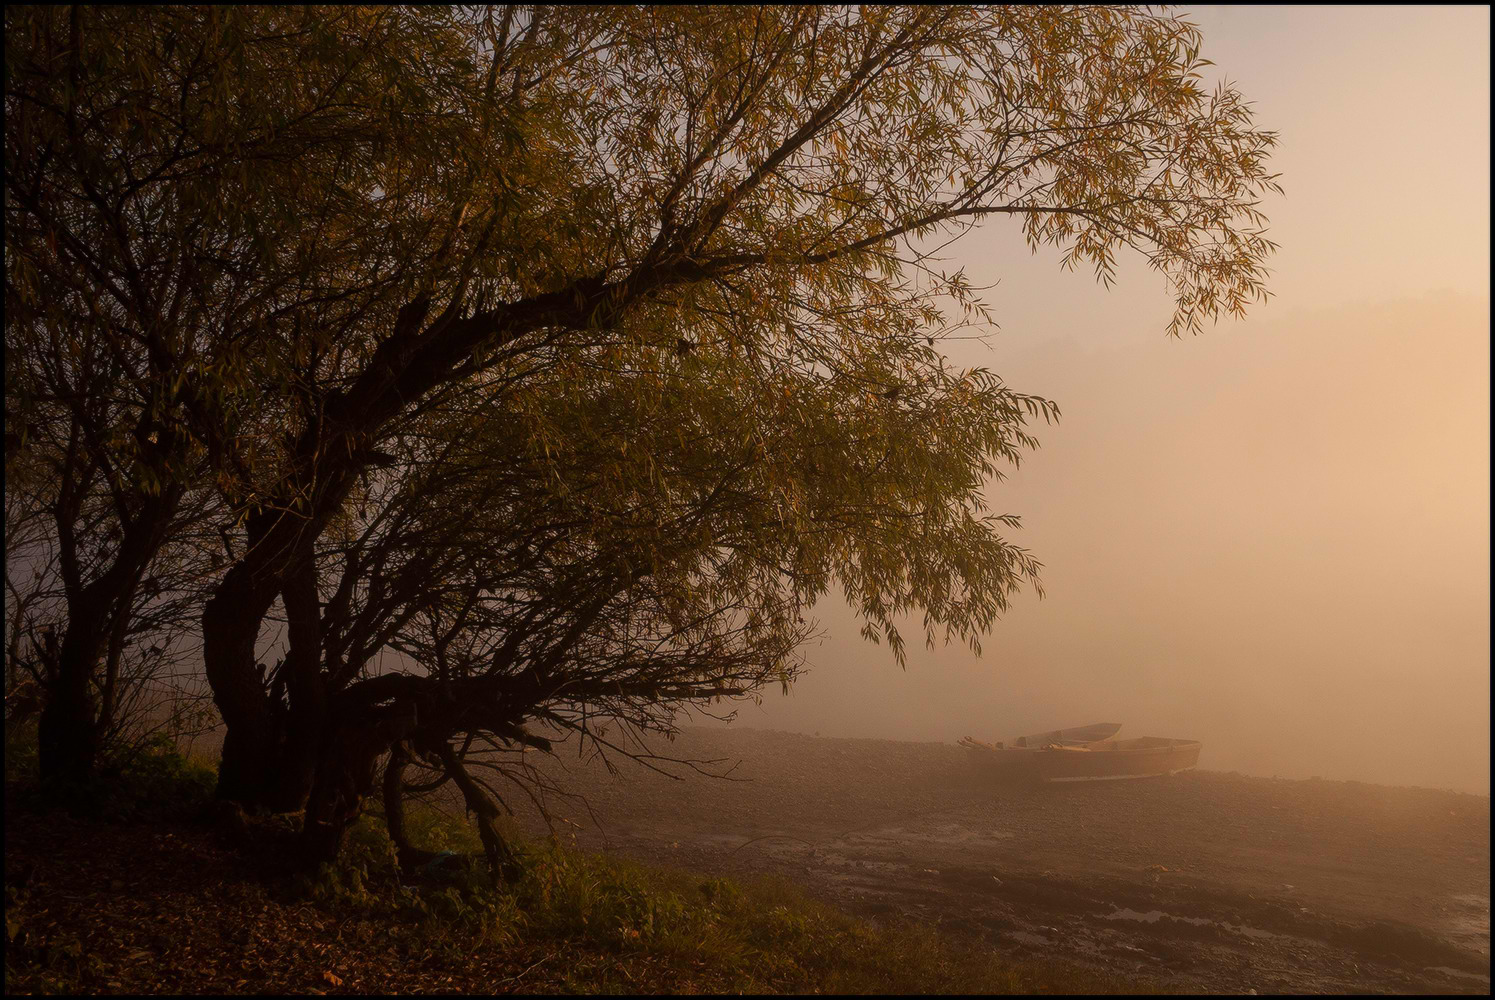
<point x="1277" y="544"/>
<point x="1274" y="537"/>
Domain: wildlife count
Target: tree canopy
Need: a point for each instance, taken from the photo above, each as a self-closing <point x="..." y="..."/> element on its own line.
<point x="570" y="352"/>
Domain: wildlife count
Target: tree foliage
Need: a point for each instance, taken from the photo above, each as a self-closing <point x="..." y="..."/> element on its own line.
<point x="573" y="352"/>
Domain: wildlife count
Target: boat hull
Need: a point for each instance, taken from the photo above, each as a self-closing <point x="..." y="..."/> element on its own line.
<point x="1079" y="734"/>
<point x="1115" y="760"/>
<point x="1004" y="764"/>
<point x="1017" y="761"/>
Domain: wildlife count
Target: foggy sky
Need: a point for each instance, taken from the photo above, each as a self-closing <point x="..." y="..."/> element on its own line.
<point x="1274" y="537"/>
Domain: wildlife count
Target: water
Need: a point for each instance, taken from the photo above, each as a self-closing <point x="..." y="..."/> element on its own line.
<point x="1153" y="916"/>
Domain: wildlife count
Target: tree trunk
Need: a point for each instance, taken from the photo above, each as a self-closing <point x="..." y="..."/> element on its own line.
<point x="406" y="853"/>
<point x="230" y="625"/>
<point x="502" y="861"/>
<point x="68" y="734"/>
<point x="309" y="721"/>
<point x="264" y="766"/>
<point x="345" y="775"/>
<point x="336" y="801"/>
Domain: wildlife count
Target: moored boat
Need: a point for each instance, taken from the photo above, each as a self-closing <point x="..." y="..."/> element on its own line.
<point x="1079" y="734"/>
<point x="1083" y="753"/>
<point x="1015" y="759"/>
<point x="1109" y="760"/>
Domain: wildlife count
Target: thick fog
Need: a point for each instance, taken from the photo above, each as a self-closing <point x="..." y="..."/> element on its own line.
<point x="1274" y="537"/>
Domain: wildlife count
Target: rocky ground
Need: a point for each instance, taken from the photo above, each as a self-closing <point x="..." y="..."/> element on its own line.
<point x="1215" y="882"/>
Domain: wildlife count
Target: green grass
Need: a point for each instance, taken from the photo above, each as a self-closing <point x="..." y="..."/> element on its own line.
<point x="603" y="917"/>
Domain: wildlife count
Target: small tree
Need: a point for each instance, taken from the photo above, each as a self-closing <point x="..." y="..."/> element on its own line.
<point x="105" y="562"/>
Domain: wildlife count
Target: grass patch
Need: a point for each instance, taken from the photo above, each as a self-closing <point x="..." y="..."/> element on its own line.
<point x="101" y="900"/>
<point x="153" y="782"/>
<point x="606" y="924"/>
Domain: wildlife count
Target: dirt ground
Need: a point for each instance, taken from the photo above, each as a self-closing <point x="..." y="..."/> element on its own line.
<point x="1214" y="882"/>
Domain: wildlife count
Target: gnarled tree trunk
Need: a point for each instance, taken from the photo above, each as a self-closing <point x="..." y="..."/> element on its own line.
<point x="67" y="733"/>
<point x="230" y="625"/>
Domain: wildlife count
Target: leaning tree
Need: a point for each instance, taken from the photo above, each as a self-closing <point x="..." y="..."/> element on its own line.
<point x="603" y="551"/>
<point x="326" y="232"/>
